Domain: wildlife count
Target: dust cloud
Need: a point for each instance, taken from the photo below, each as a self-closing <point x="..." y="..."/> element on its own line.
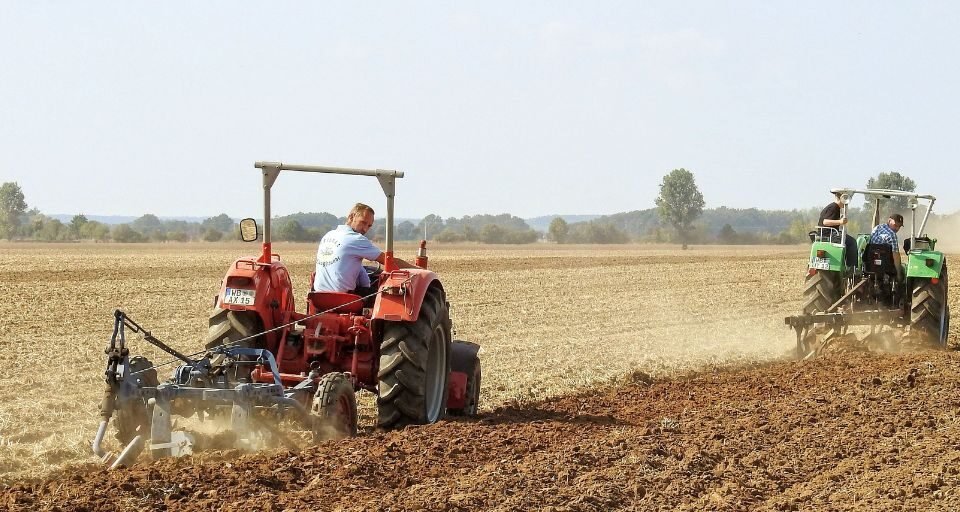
<point x="947" y="232"/>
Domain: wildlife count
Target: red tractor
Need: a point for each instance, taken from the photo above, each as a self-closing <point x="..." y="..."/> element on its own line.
<point x="264" y="358"/>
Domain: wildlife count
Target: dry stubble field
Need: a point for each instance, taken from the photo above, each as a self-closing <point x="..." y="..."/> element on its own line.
<point x="722" y="424"/>
<point x="550" y="319"/>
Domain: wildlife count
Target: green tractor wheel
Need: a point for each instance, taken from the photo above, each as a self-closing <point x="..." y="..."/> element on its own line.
<point x="820" y="291"/>
<point x="929" y="311"/>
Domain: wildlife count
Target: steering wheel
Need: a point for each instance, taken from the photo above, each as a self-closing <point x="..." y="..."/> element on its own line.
<point x="373" y="271"/>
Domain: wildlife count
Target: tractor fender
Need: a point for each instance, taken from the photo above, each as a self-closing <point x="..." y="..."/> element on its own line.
<point x="462" y="357"/>
<point x="270" y="282"/>
<point x="401" y="294"/>
<point x="925" y="264"/>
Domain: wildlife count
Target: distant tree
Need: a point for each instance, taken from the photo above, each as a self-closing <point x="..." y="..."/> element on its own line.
<point x="147" y="224"/>
<point x="680" y="202"/>
<point x="12" y="207"/>
<point x="470" y="234"/>
<point x="431" y="225"/>
<point x="315" y="234"/>
<point x="125" y="234"/>
<point x="406" y="230"/>
<point x="177" y="236"/>
<point x="52" y="231"/>
<point x="93" y="230"/>
<point x="492" y="234"/>
<point x="558" y="230"/>
<point x="159" y="236"/>
<point x="891" y="181"/>
<point x="76" y="225"/>
<point x="212" y="235"/>
<point x="521" y="237"/>
<point x="291" y="231"/>
<point x="798" y="230"/>
<point x="449" y="235"/>
<point x="221" y="222"/>
<point x="727" y="235"/>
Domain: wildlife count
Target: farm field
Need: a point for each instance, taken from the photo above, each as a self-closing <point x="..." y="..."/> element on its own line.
<point x="650" y="365"/>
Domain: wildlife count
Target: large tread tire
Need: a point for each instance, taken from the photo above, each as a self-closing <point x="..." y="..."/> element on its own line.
<point x="415" y="366"/>
<point x="929" y="310"/>
<point x="133" y="418"/>
<point x="820" y="291"/>
<point x="228" y="326"/>
<point x="334" y="408"/>
<point x="472" y="368"/>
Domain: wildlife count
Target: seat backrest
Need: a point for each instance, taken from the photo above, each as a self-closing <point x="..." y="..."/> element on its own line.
<point x="824" y="234"/>
<point x="878" y="259"/>
<point x="343" y="302"/>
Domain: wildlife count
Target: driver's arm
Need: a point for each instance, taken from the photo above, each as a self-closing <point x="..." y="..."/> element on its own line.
<point x="400" y="263"/>
<point x="898" y="261"/>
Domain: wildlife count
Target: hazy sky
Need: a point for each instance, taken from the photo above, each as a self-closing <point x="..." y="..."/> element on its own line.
<point x="531" y="108"/>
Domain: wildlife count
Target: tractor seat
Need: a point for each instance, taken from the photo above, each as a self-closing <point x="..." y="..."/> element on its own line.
<point x="878" y="259"/>
<point x="343" y="302"/>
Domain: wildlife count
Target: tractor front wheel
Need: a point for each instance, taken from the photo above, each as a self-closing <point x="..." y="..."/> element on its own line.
<point x="228" y="327"/>
<point x="929" y="311"/>
<point x="414" y="366"/>
<point x="334" y="409"/>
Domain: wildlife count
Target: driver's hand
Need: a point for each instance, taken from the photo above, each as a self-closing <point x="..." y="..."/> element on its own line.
<point x="843" y="220"/>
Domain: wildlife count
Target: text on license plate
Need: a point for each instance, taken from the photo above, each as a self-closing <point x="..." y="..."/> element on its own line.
<point x="239" y="296"/>
<point x="820" y="263"/>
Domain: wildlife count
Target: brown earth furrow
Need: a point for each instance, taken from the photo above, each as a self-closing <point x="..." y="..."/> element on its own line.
<point x="844" y="433"/>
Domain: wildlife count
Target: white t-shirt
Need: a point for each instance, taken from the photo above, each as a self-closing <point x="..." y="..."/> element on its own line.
<point x="340" y="260"/>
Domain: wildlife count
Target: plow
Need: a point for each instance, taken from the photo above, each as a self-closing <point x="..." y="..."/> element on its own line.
<point x="266" y="364"/>
<point x="878" y="303"/>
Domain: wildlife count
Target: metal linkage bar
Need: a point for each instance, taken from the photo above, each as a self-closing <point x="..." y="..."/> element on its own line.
<point x="127" y="321"/>
<point x="845" y="319"/>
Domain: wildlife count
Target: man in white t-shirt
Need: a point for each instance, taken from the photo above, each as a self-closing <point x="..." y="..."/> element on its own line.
<point x="341" y="254"/>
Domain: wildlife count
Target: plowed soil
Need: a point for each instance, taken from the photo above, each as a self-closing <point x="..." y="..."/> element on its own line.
<point x="859" y="432"/>
<point x="626" y="378"/>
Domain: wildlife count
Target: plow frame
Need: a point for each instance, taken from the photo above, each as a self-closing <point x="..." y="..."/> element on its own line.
<point x="838" y="322"/>
<point x="242" y="398"/>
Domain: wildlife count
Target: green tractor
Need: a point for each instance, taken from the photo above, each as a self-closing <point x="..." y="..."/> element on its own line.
<point x="874" y="293"/>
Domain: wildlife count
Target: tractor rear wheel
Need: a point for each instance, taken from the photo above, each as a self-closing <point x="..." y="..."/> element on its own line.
<point x="414" y="366"/>
<point x="132" y="417"/>
<point x="929" y="311"/>
<point x="820" y="291"/>
<point x="228" y="326"/>
<point x="334" y="408"/>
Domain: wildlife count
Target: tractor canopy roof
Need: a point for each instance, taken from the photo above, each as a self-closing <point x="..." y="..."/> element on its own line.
<point x="877" y="193"/>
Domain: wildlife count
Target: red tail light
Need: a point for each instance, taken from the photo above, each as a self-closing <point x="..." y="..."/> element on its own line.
<point x="935" y="281"/>
<point x="821" y="253"/>
<point x="812" y="271"/>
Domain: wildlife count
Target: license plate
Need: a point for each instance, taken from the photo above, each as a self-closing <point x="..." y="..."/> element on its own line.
<point x="820" y="263"/>
<point x="239" y="296"/>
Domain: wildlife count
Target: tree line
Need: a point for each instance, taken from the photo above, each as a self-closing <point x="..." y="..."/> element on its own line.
<point x="679" y="217"/>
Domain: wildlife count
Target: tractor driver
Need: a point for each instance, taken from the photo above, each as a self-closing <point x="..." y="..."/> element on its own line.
<point x="886" y="233"/>
<point x="342" y="251"/>
<point x="831" y="217"/>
